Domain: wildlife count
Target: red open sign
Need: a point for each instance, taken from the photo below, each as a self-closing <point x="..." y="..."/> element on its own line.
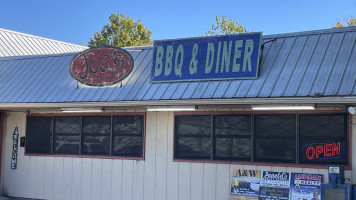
<point x="323" y="151"/>
<point x="102" y="66"/>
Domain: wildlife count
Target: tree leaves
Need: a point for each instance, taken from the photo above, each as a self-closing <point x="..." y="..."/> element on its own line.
<point x="349" y="22"/>
<point x="121" y="32"/>
<point x="226" y="26"/>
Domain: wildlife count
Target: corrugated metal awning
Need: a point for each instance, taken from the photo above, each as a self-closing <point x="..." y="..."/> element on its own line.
<point x="19" y="44"/>
<point x="314" y="64"/>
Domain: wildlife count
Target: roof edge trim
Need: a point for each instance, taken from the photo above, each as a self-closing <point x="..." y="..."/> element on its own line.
<point x="238" y="101"/>
<point x="312" y="32"/>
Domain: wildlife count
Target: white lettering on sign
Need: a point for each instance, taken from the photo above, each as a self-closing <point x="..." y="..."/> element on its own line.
<point x="15" y="143"/>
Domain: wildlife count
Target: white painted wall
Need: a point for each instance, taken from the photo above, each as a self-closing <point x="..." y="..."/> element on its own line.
<point x="155" y="178"/>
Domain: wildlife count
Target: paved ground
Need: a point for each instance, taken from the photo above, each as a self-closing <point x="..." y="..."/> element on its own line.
<point x="8" y="198"/>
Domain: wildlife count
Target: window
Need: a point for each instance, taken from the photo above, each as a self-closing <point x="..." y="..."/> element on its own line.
<point x="40" y="136"/>
<point x="323" y="139"/>
<point x="275" y="138"/>
<point x="127" y="136"/>
<point x="67" y="135"/>
<point x="96" y="135"/>
<point x="85" y="135"/>
<point x="232" y="137"/>
<point x="271" y="138"/>
<point x="193" y="137"/>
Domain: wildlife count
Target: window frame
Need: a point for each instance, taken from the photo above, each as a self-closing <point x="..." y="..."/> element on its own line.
<point x="297" y="135"/>
<point x="198" y="136"/>
<point x="274" y="137"/>
<point x="347" y="135"/>
<point x="81" y="135"/>
<point x="85" y="135"/>
<point x="216" y="136"/>
<point x="64" y="134"/>
<point x="113" y="135"/>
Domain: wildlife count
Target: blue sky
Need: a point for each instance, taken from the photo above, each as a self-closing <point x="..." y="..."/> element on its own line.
<point x="75" y="21"/>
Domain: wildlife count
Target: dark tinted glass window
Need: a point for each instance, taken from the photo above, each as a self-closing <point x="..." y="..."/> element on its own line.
<point x="96" y="135"/>
<point x="96" y="125"/>
<point x="275" y="138"/>
<point x="193" y="125"/>
<point x="128" y="125"/>
<point x="39" y="135"/>
<point x="193" y="137"/>
<point x="86" y="135"/>
<point x="323" y="139"/>
<point x="271" y="138"/>
<point x="67" y="135"/>
<point x="127" y="136"/>
<point x="232" y="136"/>
<point x="96" y="145"/>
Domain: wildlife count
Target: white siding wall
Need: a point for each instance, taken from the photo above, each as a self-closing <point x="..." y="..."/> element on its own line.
<point x="155" y="178"/>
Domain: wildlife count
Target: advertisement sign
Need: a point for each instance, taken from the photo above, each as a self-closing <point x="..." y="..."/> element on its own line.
<point x="274" y="185"/>
<point x="245" y="184"/>
<point x="102" y="66"/>
<point x="268" y="185"/>
<point x="275" y="179"/>
<point x="306" y="186"/>
<point x="206" y="58"/>
<point x="273" y="193"/>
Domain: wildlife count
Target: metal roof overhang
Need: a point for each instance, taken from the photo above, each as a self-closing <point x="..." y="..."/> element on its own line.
<point x="347" y="100"/>
<point x="306" y="67"/>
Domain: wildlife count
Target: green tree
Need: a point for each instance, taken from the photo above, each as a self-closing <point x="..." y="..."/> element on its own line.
<point x="349" y="22"/>
<point x="121" y="32"/>
<point x="226" y="26"/>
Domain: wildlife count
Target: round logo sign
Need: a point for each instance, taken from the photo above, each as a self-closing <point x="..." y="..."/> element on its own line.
<point x="101" y="66"/>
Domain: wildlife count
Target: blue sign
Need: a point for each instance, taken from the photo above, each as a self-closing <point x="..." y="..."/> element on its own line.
<point x="206" y="58"/>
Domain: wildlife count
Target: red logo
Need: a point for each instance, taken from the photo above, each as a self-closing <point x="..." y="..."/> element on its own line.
<point x="101" y="66"/>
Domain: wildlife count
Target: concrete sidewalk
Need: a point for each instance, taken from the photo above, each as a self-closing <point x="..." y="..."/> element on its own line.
<point x="13" y="198"/>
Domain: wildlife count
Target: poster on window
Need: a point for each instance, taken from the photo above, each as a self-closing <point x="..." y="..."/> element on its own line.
<point x="275" y="179"/>
<point x="245" y="184"/>
<point x="273" y="193"/>
<point x="305" y="186"/>
<point x="274" y="185"/>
